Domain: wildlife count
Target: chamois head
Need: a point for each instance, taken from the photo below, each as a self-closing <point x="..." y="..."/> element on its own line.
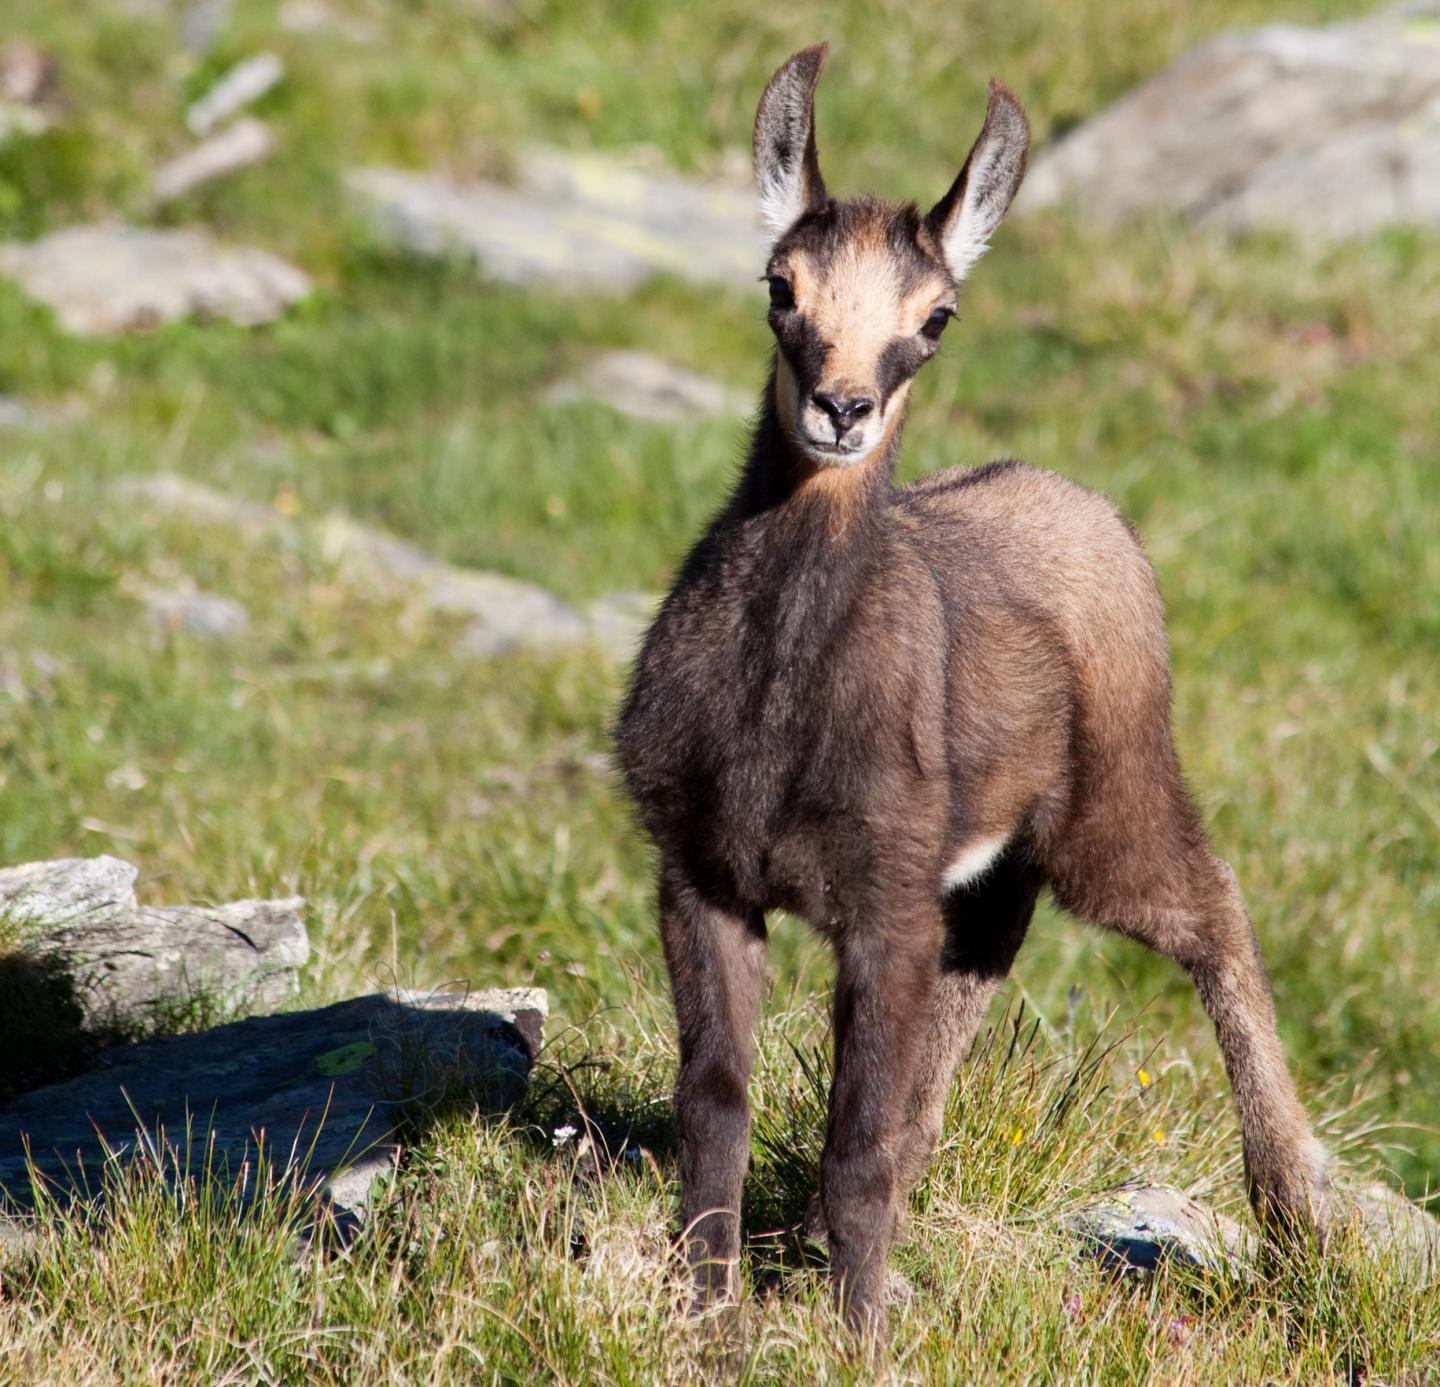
<point x="861" y="290"/>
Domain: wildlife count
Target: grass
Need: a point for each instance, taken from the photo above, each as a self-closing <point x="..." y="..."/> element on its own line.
<point x="1258" y="407"/>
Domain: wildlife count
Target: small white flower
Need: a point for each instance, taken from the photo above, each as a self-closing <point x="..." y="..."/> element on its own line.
<point x="562" y="1135"/>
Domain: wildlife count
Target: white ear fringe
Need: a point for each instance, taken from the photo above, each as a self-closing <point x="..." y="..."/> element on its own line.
<point x="782" y="200"/>
<point x="969" y="235"/>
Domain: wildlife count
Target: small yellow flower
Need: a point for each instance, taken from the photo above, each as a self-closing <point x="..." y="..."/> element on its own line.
<point x="1144" y="1077"/>
<point x="1158" y="1137"/>
<point x="286" y="502"/>
<point x="1018" y="1136"/>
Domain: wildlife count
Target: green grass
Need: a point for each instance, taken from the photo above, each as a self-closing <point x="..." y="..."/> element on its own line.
<point x="1260" y="408"/>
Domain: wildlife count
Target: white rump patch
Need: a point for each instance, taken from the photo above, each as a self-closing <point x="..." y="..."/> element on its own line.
<point x="973" y="862"/>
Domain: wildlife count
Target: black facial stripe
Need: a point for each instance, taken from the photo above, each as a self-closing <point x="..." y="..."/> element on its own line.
<point x="902" y="357"/>
<point x="802" y="347"/>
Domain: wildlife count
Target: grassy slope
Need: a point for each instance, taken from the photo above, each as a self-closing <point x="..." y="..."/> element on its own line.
<point x="1256" y="408"/>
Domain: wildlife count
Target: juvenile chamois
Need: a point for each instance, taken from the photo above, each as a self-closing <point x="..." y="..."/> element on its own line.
<point x="902" y="713"/>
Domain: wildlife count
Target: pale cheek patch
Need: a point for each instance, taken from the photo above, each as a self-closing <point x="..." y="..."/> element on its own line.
<point x="973" y="862"/>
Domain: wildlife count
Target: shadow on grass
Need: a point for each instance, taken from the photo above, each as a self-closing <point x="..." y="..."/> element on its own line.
<point x="582" y="1109"/>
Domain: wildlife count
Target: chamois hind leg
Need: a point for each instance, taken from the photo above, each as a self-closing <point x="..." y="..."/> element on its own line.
<point x="716" y="959"/>
<point x="1169" y="891"/>
<point x="985" y="924"/>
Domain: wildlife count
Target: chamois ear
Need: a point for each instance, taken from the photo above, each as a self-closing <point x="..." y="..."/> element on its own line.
<point x="964" y="218"/>
<point x="787" y="168"/>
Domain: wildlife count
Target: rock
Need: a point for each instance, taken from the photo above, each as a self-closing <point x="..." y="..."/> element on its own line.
<point x="509" y="615"/>
<point x="1397" y="1229"/>
<point x="31" y="679"/>
<point x="502" y="614"/>
<point x="131" y="966"/>
<point x="322" y="18"/>
<point x="246" y="142"/>
<point x="647" y="387"/>
<point x="20" y="120"/>
<point x="128" y="963"/>
<point x="16" y="416"/>
<point x="198" y="613"/>
<point x="575" y="221"/>
<point x="619" y="622"/>
<point x="202" y="23"/>
<point x="505" y="613"/>
<point x="1140" y="1226"/>
<point x="1333" y="130"/>
<point x="328" y="1095"/>
<point x="176" y="495"/>
<point x="243" y="84"/>
<point x="108" y="279"/>
<point x="66" y="890"/>
<point x="28" y="74"/>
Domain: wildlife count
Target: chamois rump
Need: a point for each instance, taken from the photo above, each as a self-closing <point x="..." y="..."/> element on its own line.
<point x="902" y="713"/>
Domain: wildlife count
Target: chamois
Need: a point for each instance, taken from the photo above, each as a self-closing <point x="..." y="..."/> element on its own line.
<point x="901" y="713"/>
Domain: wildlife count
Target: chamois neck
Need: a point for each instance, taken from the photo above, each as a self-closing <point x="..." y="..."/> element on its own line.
<point x="777" y="473"/>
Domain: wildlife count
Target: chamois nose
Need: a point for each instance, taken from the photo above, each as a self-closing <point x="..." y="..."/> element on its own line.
<point x="843" y="413"/>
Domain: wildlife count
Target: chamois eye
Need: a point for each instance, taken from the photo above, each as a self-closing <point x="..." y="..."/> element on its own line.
<point x="781" y="293"/>
<point x="935" y="324"/>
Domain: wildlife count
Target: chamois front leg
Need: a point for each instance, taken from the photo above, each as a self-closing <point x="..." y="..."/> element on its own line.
<point x="888" y="968"/>
<point x="716" y="958"/>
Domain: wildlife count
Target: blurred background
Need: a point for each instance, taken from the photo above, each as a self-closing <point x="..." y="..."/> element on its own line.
<point x="308" y="320"/>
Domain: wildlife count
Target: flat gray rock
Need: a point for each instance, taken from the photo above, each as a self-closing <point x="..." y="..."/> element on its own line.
<point x="500" y="613"/>
<point x="19" y="417"/>
<point x="243" y="84"/>
<point x="574" y="220"/>
<point x="246" y="142"/>
<point x="327" y="1095"/>
<point x="1333" y="129"/>
<point x="175" y="495"/>
<point x="68" y="890"/>
<point x="204" y="614"/>
<point x="619" y="621"/>
<point x="503" y="614"/>
<point x="28" y="73"/>
<point x="128" y="964"/>
<point x="324" y="20"/>
<point x="114" y="279"/>
<point x="1396" y="1227"/>
<point x="1140" y="1227"/>
<point x="647" y="387"/>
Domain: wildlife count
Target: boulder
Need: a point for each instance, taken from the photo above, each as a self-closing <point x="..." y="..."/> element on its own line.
<point x="246" y="142"/>
<point x="204" y="614"/>
<point x="574" y="221"/>
<point x="328" y="1097"/>
<point x="1140" y="1227"/>
<point x="112" y="279"/>
<point x="1333" y="130"/>
<point x="128" y="964"/>
<point x="500" y="613"/>
<point x="1397" y="1228"/>
<point x="647" y="387"/>
<point x="243" y="84"/>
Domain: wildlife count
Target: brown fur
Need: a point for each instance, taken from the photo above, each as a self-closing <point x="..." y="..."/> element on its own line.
<point x="849" y="688"/>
